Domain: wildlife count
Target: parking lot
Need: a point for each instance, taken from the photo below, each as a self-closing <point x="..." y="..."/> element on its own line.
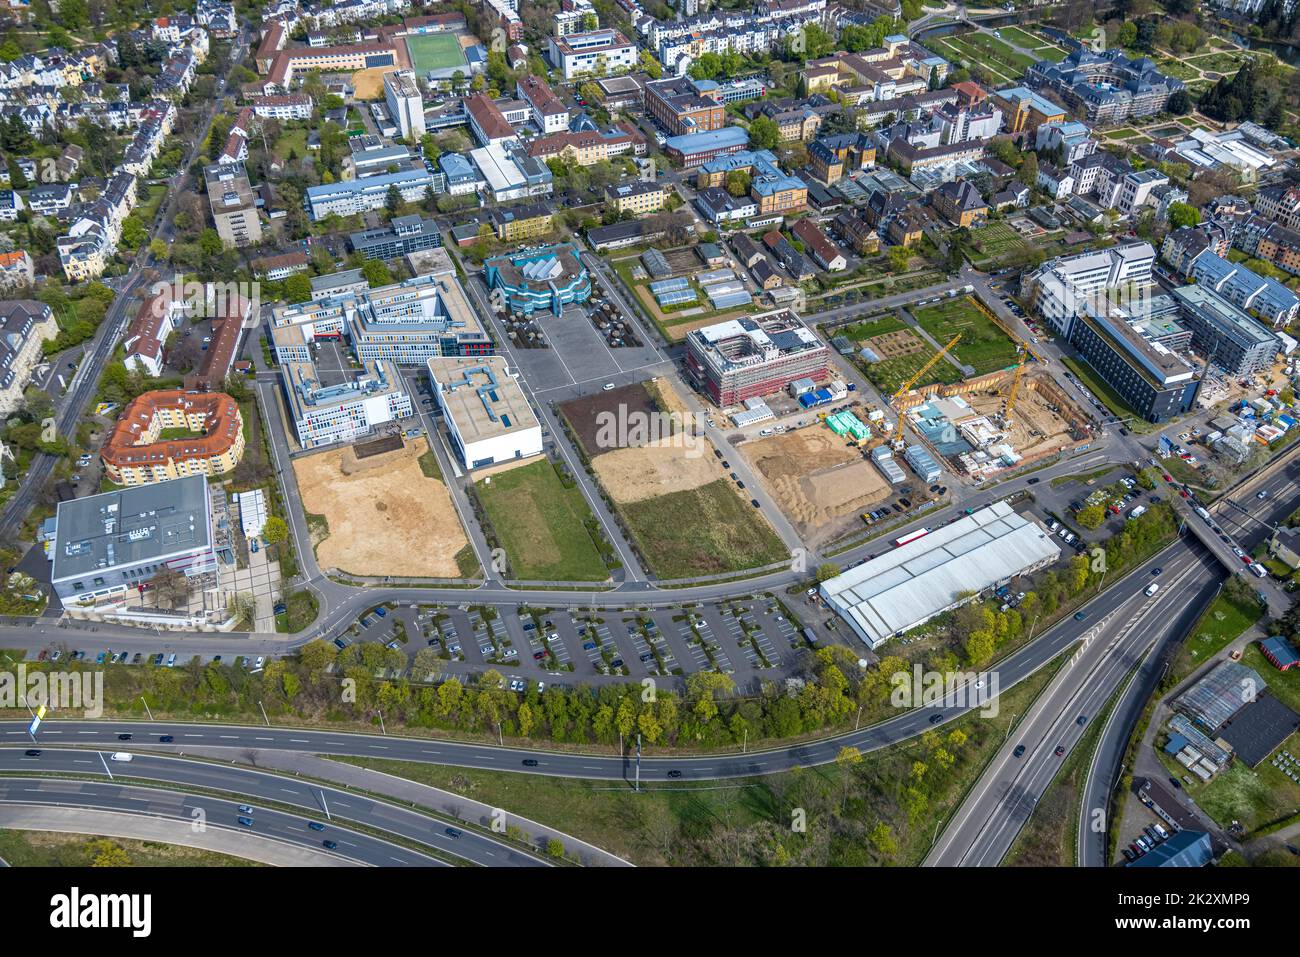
<point x="578" y="354"/>
<point x="748" y="640"/>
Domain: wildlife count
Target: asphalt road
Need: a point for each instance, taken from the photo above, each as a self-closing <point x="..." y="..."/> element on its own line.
<point x="219" y="813"/>
<point x="1283" y="495"/>
<point x="315" y="799"/>
<point x="86" y="378"/>
<point x="988" y="821"/>
<point x="1013" y="669"/>
<point x="341" y="605"/>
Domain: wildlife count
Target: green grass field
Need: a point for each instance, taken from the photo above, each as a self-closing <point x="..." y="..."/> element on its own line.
<point x="702" y="531"/>
<point x="861" y="331"/>
<point x="992" y="243"/>
<point x="889" y="375"/>
<point x="983" y="345"/>
<point x="436" y="51"/>
<point x="957" y="49"/>
<point x="1223" y="621"/>
<point x="542" y="525"/>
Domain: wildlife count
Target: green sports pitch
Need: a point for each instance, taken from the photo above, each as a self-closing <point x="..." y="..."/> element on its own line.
<point x="436" y="51"/>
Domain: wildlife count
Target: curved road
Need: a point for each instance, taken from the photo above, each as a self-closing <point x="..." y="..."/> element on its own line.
<point x="220" y="813"/>
<point x="253" y="784"/>
<point x="1011" y="670"/>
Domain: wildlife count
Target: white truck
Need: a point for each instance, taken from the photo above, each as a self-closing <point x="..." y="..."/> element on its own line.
<point x="1137" y="511"/>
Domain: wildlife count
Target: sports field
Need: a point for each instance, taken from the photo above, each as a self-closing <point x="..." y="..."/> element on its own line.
<point x="435" y="51"/>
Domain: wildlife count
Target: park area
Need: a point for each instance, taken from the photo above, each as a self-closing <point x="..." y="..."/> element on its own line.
<point x="435" y="51"/>
<point x="821" y="485"/>
<point x="542" y="523"/>
<point x="684" y="516"/>
<point x="380" y="514"/>
<point x="983" y="346"/>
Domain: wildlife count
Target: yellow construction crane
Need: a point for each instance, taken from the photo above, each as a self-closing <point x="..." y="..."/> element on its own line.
<point x="1015" y="388"/>
<point x="897" y="396"/>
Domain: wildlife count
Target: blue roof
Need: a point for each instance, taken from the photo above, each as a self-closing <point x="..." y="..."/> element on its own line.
<point x="453" y="164"/>
<point x="712" y="140"/>
<point x="1279" y="651"/>
<point x="1184" y="849"/>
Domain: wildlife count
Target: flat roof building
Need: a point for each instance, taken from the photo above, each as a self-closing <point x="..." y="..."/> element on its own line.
<point x="347" y="406"/>
<point x="405" y="234"/>
<point x="913" y="583"/>
<point x="755" y="356"/>
<point x="1153" y="380"/>
<point x="107" y="546"/>
<point x="487" y="413"/>
<point x="1223" y="333"/>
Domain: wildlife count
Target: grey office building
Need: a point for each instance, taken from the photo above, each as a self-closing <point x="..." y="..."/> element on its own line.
<point x="1155" y="381"/>
<point x="406" y="234"/>
<point x="1232" y="340"/>
<point x="107" y="546"/>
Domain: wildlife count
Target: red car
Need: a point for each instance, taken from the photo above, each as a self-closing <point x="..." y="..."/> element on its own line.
<point x="1246" y="560"/>
<point x="1169" y="478"/>
<point x="1183" y="493"/>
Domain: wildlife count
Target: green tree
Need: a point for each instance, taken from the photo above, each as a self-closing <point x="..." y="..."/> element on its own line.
<point x="1090" y="516"/>
<point x="393" y="202"/>
<point x="738" y="182"/>
<point x="297" y="288"/>
<point x="827" y="571"/>
<point x="764" y="134"/>
<point x="1181" y="214"/>
<point x="275" y="530"/>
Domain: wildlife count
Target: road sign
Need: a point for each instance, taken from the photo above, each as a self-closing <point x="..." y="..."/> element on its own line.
<point x="36" y="721"/>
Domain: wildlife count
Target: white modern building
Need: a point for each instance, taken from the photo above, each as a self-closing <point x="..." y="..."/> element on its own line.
<point x="371" y="192"/>
<point x="345" y="408"/>
<point x="595" y="53"/>
<point x="405" y="104"/>
<point x="487" y="413"/>
<point x="911" y="584"/>
<point x="1059" y="289"/>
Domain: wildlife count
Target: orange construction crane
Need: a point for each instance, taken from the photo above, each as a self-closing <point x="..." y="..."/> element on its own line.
<point x="897" y="396"/>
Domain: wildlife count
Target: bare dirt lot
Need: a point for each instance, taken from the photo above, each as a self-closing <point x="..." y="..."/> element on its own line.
<point x="1035" y="428"/>
<point x="584" y="414"/>
<point x="369" y="83"/>
<point x="636" y="474"/>
<point x="386" y="517"/>
<point x="819" y="483"/>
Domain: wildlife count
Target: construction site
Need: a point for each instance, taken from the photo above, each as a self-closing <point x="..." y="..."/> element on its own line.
<point x="1007" y="417"/>
<point x="375" y="509"/>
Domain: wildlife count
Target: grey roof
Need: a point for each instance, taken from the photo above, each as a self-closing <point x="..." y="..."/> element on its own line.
<point x="131" y="526"/>
<point x="910" y="584"/>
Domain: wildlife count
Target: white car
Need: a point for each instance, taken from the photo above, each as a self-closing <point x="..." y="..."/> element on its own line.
<point x="607" y="387"/>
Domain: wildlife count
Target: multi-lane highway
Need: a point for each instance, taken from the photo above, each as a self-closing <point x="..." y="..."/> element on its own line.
<point x="1011" y="670"/>
<point x="209" y="812"/>
<point x="321" y="803"/>
<point x="1126" y="643"/>
<point x="986" y="824"/>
